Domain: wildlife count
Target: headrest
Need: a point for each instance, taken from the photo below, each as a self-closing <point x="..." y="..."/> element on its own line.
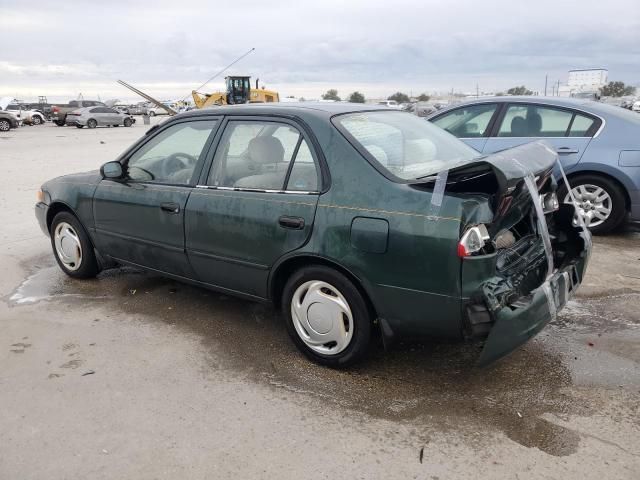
<point x="266" y="150"/>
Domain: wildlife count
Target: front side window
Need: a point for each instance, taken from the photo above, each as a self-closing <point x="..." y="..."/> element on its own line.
<point x="171" y="156"/>
<point x="467" y="122"/>
<point x="264" y="156"/>
<point x="534" y="121"/>
<point x="405" y="145"/>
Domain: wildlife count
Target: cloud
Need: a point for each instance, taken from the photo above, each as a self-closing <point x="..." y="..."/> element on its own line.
<point x="375" y="46"/>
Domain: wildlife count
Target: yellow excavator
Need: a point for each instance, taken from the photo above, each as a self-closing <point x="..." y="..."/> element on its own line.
<point x="238" y="90"/>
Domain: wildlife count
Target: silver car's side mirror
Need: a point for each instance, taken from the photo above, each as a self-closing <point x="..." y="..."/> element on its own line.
<point x="112" y="170"/>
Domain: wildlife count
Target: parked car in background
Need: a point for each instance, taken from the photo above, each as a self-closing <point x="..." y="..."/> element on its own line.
<point x="390" y="104"/>
<point x="122" y="109"/>
<point x="28" y="115"/>
<point x="424" y="109"/>
<point x="154" y="110"/>
<point x="93" y="117"/>
<point x="8" y="121"/>
<point x="59" y="111"/>
<point x="636" y="106"/>
<point x="138" y="109"/>
<point x="598" y="145"/>
<point x="329" y="210"/>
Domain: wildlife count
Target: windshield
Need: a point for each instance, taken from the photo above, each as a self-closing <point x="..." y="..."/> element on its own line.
<point x="405" y="145"/>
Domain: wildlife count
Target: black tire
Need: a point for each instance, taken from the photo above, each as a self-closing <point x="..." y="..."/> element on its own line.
<point x="36" y="120"/>
<point x="92" y="123"/>
<point x="88" y="264"/>
<point x="60" y="123"/>
<point x="615" y="192"/>
<point x="362" y="321"/>
<point x="127" y="122"/>
<point x="152" y="113"/>
<point x="79" y="126"/>
<point x="5" y="125"/>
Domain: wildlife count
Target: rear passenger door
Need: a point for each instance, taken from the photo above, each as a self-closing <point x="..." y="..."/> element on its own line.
<point x="256" y="203"/>
<point x="471" y="123"/>
<point x="568" y="131"/>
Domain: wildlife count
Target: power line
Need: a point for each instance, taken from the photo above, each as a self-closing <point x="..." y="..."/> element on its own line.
<point x="225" y="68"/>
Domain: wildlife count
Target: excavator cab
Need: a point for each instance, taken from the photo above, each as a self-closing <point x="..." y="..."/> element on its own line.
<point x="238" y="90"/>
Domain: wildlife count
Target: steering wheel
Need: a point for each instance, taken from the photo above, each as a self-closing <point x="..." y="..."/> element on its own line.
<point x="176" y="162"/>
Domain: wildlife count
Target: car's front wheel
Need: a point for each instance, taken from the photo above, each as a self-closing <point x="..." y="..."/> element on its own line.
<point x="72" y="247"/>
<point x="36" y="120"/>
<point x="326" y="316"/>
<point x="5" y="125"/>
<point x="600" y="201"/>
<point x="92" y="123"/>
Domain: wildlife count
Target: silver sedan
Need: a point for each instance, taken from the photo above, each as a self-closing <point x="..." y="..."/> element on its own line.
<point x="92" y="117"/>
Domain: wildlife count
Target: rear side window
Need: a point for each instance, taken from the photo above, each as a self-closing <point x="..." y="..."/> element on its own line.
<point x="523" y="120"/>
<point x="581" y="126"/>
<point x="264" y="156"/>
<point x="467" y="122"/>
<point x="96" y="110"/>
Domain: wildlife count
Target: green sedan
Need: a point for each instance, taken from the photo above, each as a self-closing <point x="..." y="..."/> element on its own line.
<point x="356" y="221"/>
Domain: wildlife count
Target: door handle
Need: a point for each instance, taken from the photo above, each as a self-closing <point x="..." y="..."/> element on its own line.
<point x="170" y="207"/>
<point x="295" y="223"/>
<point x="567" y="150"/>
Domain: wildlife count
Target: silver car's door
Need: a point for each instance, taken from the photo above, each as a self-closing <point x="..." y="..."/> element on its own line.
<point x="471" y="123"/>
<point x="568" y="131"/>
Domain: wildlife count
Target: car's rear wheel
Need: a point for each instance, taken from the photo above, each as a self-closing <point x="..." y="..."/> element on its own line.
<point x="59" y="123"/>
<point x="326" y="316"/>
<point x="127" y="122"/>
<point x="92" y="123"/>
<point x="72" y="247"/>
<point x="600" y="201"/>
<point x="5" y="125"/>
<point x="36" y="120"/>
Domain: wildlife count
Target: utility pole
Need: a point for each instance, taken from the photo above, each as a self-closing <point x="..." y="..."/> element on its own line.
<point x="477" y="91"/>
<point x="545" y="85"/>
<point x="558" y="89"/>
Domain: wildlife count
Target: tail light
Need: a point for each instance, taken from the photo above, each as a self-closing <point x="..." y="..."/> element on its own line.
<point x="55" y="109"/>
<point x="473" y="240"/>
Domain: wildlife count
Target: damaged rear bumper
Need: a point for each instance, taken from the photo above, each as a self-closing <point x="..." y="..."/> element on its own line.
<point x="516" y="323"/>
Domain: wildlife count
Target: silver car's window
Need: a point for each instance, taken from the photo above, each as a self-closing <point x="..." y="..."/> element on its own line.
<point x="467" y="122"/>
<point x="405" y="145"/>
<point x="534" y="121"/>
<point x="171" y="156"/>
<point x="580" y="126"/>
<point x="259" y="155"/>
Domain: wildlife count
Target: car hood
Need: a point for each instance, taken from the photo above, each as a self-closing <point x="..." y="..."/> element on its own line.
<point x="92" y="177"/>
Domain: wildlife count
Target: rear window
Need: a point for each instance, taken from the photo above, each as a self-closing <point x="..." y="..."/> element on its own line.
<point x="406" y="146"/>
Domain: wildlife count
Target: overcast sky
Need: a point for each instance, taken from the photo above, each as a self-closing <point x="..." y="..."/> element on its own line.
<point x="303" y="48"/>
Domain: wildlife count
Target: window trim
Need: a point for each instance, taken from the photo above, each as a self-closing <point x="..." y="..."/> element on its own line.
<point x="490" y="125"/>
<point x="598" y="124"/>
<point x="305" y="133"/>
<point x="202" y="160"/>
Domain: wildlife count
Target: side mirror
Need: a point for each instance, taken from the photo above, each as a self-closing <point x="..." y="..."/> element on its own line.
<point x="112" y="170"/>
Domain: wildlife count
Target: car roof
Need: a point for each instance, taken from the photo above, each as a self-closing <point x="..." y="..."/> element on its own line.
<point x="589" y="106"/>
<point x="288" y="108"/>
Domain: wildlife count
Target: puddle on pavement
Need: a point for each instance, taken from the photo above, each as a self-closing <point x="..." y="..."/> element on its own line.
<point x="426" y="385"/>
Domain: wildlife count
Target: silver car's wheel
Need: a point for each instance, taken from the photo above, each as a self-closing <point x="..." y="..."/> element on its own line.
<point x="5" y="126"/>
<point x="68" y="246"/>
<point x="594" y="203"/>
<point x="322" y="317"/>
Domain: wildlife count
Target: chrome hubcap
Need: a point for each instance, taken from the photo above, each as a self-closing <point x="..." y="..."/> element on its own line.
<point x="593" y="203"/>
<point x="4" y="126"/>
<point x="68" y="247"/>
<point x="322" y="317"/>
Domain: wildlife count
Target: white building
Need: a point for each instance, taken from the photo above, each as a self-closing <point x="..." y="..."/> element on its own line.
<point x="588" y="80"/>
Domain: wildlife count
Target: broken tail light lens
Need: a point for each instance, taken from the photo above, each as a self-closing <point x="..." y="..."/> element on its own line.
<point x="473" y="240"/>
<point x="549" y="202"/>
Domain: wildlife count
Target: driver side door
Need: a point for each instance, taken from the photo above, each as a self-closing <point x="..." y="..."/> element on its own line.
<point x="140" y="219"/>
